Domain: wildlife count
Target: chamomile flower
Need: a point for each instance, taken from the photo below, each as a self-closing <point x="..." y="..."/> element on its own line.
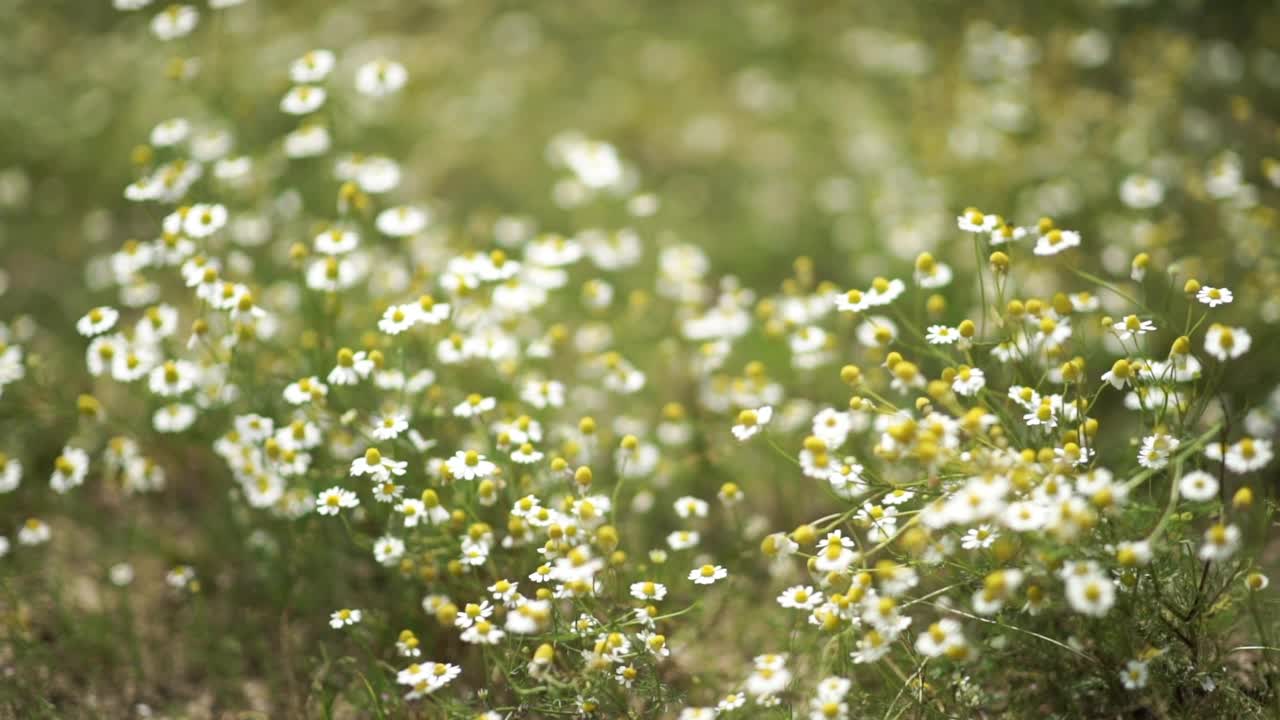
<point x="303" y="100"/>
<point x="526" y="454"/>
<point x="377" y="466"/>
<point x="344" y="618"/>
<point x="34" y="532"/>
<point x="174" y="22"/>
<point x="978" y="538"/>
<point x="1247" y="455"/>
<point x="333" y="500"/>
<point x="648" y="590"/>
<point x="389" y="426"/>
<point x="975" y="221"/>
<point x="402" y="221"/>
<point x="351" y="368"/>
<point x="1213" y="297"/>
<point x="474" y="406"/>
<point x="1141" y="192"/>
<point x="1220" y="542"/>
<point x="1135" y="674"/>
<point x="751" y="422"/>
<point x="1198" y="486"/>
<point x="1132" y="326"/>
<point x="800" y="597"/>
<point x="312" y="67"/>
<point x="1156" y="449"/>
<point x="305" y="390"/>
<point x="853" y="301"/>
<point x="336" y="241"/>
<point x="687" y="507"/>
<point x="202" y="220"/>
<point x="483" y="633"/>
<point x="1226" y="343"/>
<point x="10" y="473"/>
<point x="1055" y="241"/>
<point x="69" y="469"/>
<point x="941" y="335"/>
<point x="97" y="321"/>
<point x="708" y="574"/>
<point x="380" y="78"/>
<point x="1090" y="593"/>
<point x="940" y="638"/>
<point x="968" y="381"/>
<point x="470" y="465"/>
<point x="1005" y="233"/>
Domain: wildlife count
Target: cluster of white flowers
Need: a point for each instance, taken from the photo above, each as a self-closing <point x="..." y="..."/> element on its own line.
<point x="541" y="432"/>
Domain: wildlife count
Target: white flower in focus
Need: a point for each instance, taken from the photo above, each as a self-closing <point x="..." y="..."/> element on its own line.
<point x="975" y="221"/>
<point x="470" y="465"/>
<point x="941" y="335"/>
<point x="1132" y="326"/>
<point x="708" y="574"/>
<point x="1213" y="297"/>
